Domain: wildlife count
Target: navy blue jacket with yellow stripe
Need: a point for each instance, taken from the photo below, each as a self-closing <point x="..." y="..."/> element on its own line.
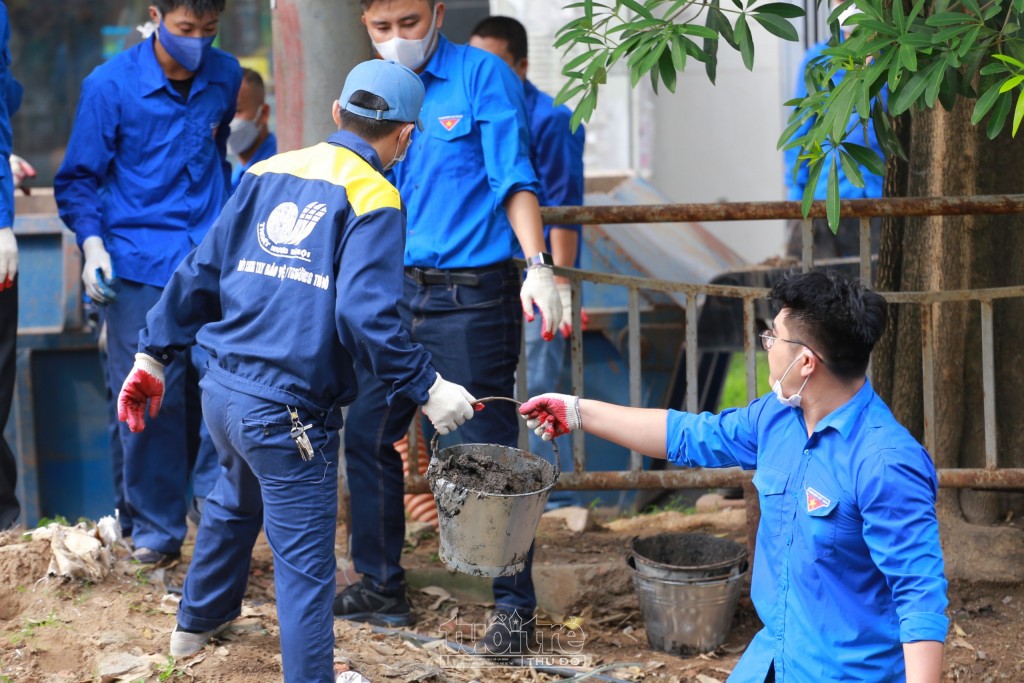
<point x="300" y="274"/>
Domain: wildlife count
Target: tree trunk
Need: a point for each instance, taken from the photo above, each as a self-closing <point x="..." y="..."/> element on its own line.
<point x="949" y="157"/>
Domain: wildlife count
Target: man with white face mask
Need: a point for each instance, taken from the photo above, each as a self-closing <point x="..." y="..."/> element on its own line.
<point x="251" y="140"/>
<point x="471" y="191"/>
<point x="848" y="574"/>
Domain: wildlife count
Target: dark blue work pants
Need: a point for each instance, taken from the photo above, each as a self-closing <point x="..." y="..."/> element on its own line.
<point x="264" y="482"/>
<point x="155" y="463"/>
<point x="473" y="334"/>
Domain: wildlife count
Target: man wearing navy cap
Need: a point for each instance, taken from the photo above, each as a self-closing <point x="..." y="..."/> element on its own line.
<point x="297" y="279"/>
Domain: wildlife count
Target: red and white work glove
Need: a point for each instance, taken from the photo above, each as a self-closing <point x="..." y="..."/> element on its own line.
<point x="539" y="290"/>
<point x="448" y="405"/>
<point x="8" y="258"/>
<point x="551" y="415"/>
<point x="144" y="383"/>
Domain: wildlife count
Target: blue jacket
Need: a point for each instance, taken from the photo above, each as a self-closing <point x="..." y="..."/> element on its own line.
<point x="557" y="154"/>
<point x="472" y="154"/>
<point x="300" y="274"/>
<point x="847" y="190"/>
<point x="848" y="564"/>
<point x="10" y="102"/>
<point x="144" y="169"/>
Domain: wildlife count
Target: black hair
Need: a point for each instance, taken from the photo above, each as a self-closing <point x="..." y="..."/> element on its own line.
<point x="507" y="29"/>
<point x="367" y="4"/>
<point x="368" y="129"/>
<point x="253" y="79"/>
<point x="197" y="7"/>
<point x="837" y="317"/>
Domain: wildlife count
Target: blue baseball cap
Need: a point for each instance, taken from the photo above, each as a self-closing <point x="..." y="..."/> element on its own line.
<point x="397" y="85"/>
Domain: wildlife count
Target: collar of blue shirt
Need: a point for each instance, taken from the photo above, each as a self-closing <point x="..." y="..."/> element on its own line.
<point x="437" y="66"/>
<point x="845" y="417"/>
<point x="152" y="77"/>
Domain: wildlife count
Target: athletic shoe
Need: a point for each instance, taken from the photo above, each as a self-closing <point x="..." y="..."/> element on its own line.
<point x="359" y="602"/>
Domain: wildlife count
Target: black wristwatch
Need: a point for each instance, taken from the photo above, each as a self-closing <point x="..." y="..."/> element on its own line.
<point x="541" y="259"/>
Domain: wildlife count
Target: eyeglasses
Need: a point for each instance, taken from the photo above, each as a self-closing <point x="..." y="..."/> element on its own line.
<point x="768" y="341"/>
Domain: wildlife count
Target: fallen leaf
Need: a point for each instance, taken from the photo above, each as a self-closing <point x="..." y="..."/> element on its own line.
<point x="441" y="594"/>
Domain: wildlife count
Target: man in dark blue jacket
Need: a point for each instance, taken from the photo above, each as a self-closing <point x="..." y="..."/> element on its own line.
<point x="298" y="277"/>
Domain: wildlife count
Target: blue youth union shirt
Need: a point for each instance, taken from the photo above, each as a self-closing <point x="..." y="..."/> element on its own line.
<point x="262" y="153"/>
<point x="145" y="169"/>
<point x="848" y="564"/>
<point x="472" y="154"/>
<point x="10" y="101"/>
<point x="557" y="154"/>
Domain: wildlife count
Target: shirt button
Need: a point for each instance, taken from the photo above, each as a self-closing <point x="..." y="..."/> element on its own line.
<point x="807" y="452"/>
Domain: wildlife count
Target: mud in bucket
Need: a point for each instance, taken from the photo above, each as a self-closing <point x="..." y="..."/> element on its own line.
<point x="689" y="590"/>
<point x="489" y="501"/>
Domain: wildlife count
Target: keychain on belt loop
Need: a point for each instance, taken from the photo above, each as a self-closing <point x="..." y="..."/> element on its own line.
<point x="298" y="434"/>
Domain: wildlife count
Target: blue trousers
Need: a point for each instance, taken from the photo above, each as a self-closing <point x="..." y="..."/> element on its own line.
<point x="473" y="334"/>
<point x="264" y="482"/>
<point x="152" y="475"/>
<point x="549" y="368"/>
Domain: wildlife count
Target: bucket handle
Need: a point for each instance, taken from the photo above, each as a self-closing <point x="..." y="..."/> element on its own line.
<point x="487" y="399"/>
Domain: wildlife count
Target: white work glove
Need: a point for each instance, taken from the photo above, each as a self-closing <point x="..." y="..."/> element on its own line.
<point x="21" y="171"/>
<point x="144" y="383"/>
<point x="539" y="289"/>
<point x="565" y="296"/>
<point x="551" y="415"/>
<point x="8" y="258"/>
<point x="448" y="405"/>
<point x="98" y="271"/>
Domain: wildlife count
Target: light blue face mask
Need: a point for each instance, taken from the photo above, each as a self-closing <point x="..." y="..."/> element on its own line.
<point x="185" y="50"/>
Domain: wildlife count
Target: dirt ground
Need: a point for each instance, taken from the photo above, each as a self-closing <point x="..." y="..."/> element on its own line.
<point x="53" y="631"/>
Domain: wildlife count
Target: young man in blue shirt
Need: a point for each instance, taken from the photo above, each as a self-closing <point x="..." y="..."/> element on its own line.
<point x="471" y="192"/>
<point x="557" y="155"/>
<point x="251" y="140"/>
<point x="143" y="178"/>
<point x="295" y="283"/>
<point x="848" y="574"/>
<point x="10" y="101"/>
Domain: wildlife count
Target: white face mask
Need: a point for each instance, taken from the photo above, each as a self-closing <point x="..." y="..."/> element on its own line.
<point x="794" y="400"/>
<point x="399" y="157"/>
<point x="243" y="133"/>
<point x="410" y="53"/>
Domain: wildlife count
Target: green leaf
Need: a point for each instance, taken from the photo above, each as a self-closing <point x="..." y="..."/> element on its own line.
<point x="967" y="42"/>
<point x="899" y="18"/>
<point x="908" y="58"/>
<point x="912" y="91"/>
<point x="746" y="42"/>
<point x="777" y="26"/>
<point x="1018" y="114"/>
<point x="1009" y="60"/>
<point x="866" y="157"/>
<point x="813" y="173"/>
<point x="948" y="19"/>
<point x="999" y="113"/>
<point x="985" y="102"/>
<point x="782" y="9"/>
<point x="696" y="30"/>
<point x="1011" y="83"/>
<point x="842" y="107"/>
<point x="832" y="196"/>
<point x="578" y="61"/>
<point x="1018" y="6"/>
<point x="851" y="169"/>
<point x="935" y="74"/>
<point x="678" y="49"/>
<point x="638" y="8"/>
<point x="972" y="5"/>
<point x="568" y="92"/>
<point x="667" y="68"/>
<point x="717" y="21"/>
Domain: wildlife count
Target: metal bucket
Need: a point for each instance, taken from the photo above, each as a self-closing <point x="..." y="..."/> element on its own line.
<point x="487" y="533"/>
<point x="686" y="617"/>
<point x="697" y="557"/>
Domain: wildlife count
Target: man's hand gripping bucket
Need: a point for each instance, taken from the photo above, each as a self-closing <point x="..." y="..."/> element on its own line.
<point x="489" y="500"/>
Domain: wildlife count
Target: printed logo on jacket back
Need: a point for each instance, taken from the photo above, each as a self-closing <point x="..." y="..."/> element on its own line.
<point x="285" y="228"/>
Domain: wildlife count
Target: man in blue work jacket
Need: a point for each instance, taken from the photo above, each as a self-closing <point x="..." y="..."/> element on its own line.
<point x="143" y="178"/>
<point x="848" y="575"/>
<point x="471" y="193"/>
<point x="251" y="140"/>
<point x="297" y="279"/>
<point x="10" y="101"/>
<point x="557" y="155"/>
<point x="846" y="241"/>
